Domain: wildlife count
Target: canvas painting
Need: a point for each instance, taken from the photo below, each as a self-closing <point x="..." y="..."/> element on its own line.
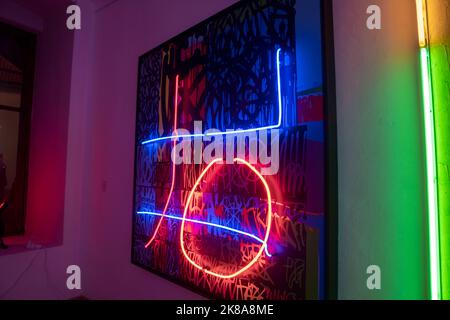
<point x="229" y="163"/>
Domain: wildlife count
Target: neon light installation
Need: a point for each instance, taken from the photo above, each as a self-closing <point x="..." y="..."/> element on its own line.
<point x="275" y="126"/>
<point x="268" y="221"/>
<point x="210" y="224"/>
<point x="428" y="112"/>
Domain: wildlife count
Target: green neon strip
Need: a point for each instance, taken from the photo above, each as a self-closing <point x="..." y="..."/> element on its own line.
<point x="433" y="218"/>
<point x="441" y="105"/>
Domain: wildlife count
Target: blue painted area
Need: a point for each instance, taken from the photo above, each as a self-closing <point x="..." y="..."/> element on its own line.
<point x="308" y="45"/>
<point x="315" y="131"/>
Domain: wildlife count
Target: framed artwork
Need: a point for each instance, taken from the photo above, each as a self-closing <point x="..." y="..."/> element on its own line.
<point x="234" y="189"/>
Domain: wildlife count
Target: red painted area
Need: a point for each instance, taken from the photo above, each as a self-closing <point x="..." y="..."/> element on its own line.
<point x="315" y="177"/>
<point x="310" y="108"/>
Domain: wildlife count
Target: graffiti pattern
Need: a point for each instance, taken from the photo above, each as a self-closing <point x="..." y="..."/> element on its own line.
<point x="228" y="80"/>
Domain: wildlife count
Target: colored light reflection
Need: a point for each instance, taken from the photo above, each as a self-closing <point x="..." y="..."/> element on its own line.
<point x="440" y="72"/>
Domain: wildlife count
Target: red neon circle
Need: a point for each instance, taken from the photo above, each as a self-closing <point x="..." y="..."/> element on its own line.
<point x="268" y="221"/>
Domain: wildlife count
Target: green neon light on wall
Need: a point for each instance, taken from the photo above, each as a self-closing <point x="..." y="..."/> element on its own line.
<point x="433" y="217"/>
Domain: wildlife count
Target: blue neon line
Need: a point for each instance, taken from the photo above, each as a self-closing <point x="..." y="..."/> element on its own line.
<point x="209" y="224"/>
<point x="174" y="137"/>
<point x="280" y="110"/>
<point x="275" y="126"/>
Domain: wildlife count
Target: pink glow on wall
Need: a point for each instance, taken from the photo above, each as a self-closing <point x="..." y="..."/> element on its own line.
<point x="48" y="135"/>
